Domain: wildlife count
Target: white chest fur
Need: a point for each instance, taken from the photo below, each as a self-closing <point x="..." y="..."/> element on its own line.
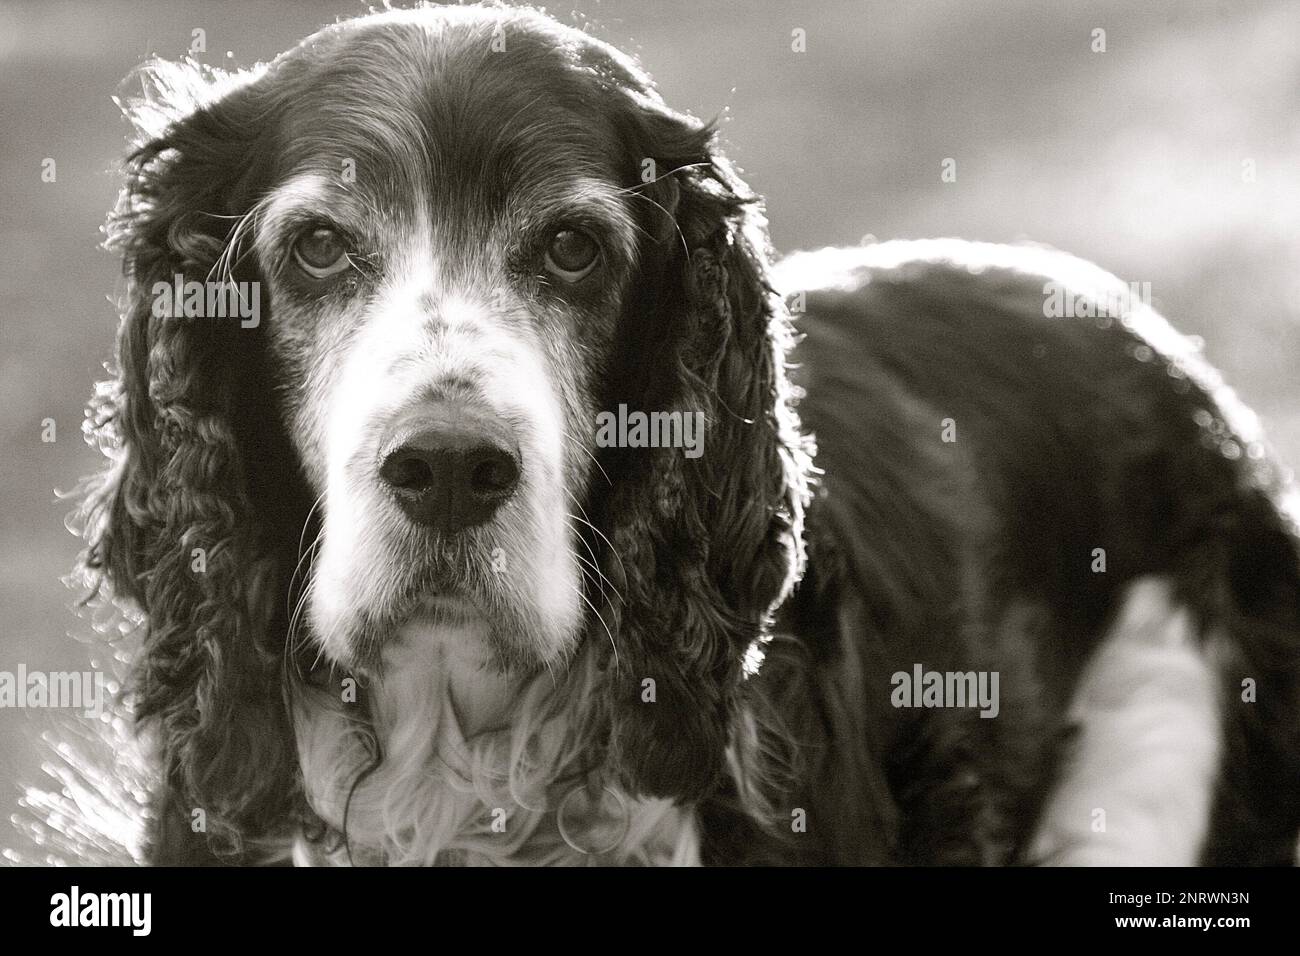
<point x="478" y="766"/>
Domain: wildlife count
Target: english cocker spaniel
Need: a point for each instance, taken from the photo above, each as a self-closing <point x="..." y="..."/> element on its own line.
<point x="482" y="506"/>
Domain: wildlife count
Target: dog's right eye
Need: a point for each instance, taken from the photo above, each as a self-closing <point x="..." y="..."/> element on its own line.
<point x="321" y="253"/>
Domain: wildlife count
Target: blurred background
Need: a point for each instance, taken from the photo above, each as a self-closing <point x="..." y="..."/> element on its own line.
<point x="1173" y="157"/>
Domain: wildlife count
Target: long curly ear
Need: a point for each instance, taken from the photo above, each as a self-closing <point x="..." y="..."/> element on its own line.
<point x="170" y="524"/>
<point x="706" y="545"/>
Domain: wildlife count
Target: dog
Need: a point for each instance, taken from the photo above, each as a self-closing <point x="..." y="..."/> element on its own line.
<point x="487" y="495"/>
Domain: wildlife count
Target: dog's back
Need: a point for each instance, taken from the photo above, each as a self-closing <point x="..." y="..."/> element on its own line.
<point x="1028" y="474"/>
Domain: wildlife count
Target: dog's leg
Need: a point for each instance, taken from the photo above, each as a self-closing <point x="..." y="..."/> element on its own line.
<point x="1137" y="788"/>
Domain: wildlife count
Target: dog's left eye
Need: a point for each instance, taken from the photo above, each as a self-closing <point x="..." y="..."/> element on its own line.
<point x="571" y="255"/>
<point x="321" y="253"/>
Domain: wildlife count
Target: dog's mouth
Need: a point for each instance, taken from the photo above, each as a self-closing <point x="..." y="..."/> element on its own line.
<point x="445" y="608"/>
<point x="433" y="607"/>
<point x="495" y="585"/>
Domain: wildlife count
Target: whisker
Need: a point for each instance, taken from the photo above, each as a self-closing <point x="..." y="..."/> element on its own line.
<point x="295" y="641"/>
<point x="320" y="654"/>
<point x="574" y="499"/>
<point x="590" y="560"/>
<point x="587" y="451"/>
<point x="604" y="581"/>
<point x="596" y="577"/>
<point x="224" y="267"/>
<point x="293" y="579"/>
<point x="679" y="169"/>
<point x="636" y="192"/>
<point x="671" y="218"/>
<point x="301" y="553"/>
<point x="578" y="591"/>
<point x="306" y="521"/>
<point x="294" y="633"/>
<point x="612" y="549"/>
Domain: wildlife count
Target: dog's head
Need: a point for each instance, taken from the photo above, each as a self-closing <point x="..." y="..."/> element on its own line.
<point x="496" y="336"/>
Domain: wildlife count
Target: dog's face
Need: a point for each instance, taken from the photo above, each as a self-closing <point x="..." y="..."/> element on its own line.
<point x="447" y="245"/>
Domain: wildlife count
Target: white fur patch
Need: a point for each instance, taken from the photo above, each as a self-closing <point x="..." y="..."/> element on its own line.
<point x="477" y="767"/>
<point x="1137" y="788"/>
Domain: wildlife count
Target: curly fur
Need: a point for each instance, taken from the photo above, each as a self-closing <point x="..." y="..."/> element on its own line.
<point x="209" y="671"/>
<point x="703" y="551"/>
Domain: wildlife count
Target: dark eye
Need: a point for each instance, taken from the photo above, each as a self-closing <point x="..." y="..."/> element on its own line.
<point x="321" y="252"/>
<point x="571" y="255"/>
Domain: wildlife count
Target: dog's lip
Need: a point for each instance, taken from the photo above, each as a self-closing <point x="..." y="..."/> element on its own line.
<point x="444" y="604"/>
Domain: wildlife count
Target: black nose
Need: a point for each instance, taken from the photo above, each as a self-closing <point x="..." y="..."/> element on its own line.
<point x="451" y="475"/>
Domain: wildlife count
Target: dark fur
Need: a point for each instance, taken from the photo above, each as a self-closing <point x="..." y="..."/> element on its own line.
<point x="918" y="550"/>
<point x="921" y="551"/>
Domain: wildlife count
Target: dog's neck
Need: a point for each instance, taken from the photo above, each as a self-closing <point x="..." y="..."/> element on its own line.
<point x="476" y="765"/>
